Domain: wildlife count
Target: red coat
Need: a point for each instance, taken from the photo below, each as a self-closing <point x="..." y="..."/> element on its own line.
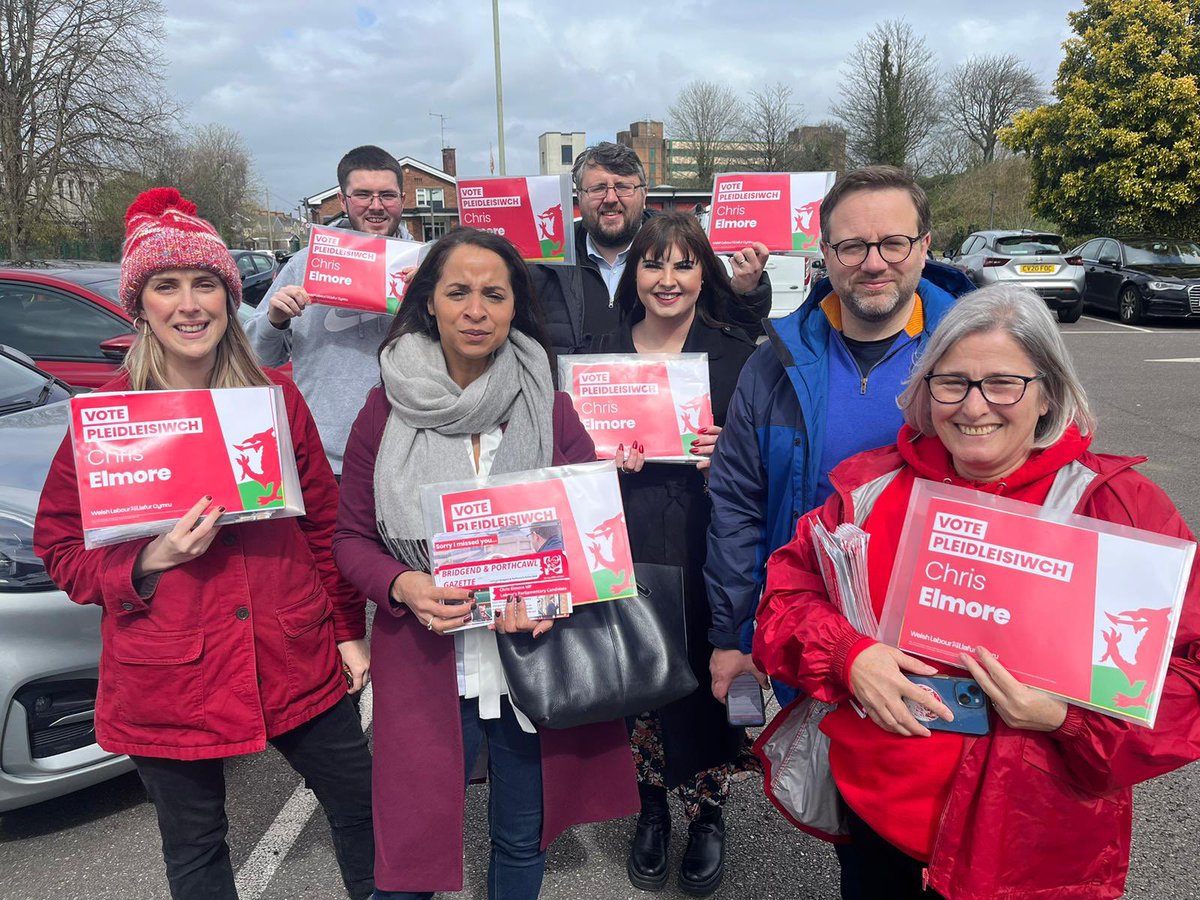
<point x="1030" y="814"/>
<point x="587" y="772"/>
<point x="232" y="648"/>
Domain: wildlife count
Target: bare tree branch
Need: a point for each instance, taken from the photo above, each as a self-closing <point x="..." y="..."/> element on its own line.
<point x="80" y="91"/>
<point x="704" y="116"/>
<point x="889" y="97"/>
<point x="769" y="125"/>
<point x="983" y="95"/>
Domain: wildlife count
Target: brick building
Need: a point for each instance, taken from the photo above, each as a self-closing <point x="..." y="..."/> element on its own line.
<point x="430" y="198"/>
<point x="645" y="138"/>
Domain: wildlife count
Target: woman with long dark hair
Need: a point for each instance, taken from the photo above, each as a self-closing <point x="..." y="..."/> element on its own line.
<point x="467" y="391"/>
<point x="673" y="295"/>
<point x="216" y="639"/>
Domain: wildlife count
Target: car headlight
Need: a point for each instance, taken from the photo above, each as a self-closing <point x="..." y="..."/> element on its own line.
<point x="20" y="569"/>
<point x="1166" y="286"/>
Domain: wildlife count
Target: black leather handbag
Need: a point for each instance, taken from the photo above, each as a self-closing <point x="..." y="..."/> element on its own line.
<point x="606" y="660"/>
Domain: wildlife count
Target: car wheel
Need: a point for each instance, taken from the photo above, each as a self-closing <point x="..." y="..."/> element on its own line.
<point x="1069" y="314"/>
<point x="1129" y="306"/>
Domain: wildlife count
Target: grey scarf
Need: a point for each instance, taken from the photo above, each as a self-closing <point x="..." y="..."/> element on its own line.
<point x="423" y="441"/>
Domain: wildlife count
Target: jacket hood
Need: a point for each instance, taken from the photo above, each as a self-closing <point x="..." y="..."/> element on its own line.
<point x="930" y="459"/>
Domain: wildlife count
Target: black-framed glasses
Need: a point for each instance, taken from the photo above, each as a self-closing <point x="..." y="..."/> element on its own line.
<point x="999" y="390"/>
<point x="387" y="198"/>
<point x="622" y="189"/>
<point x="895" y="248"/>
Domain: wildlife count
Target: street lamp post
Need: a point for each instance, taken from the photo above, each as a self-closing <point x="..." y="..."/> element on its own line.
<point x="499" y="83"/>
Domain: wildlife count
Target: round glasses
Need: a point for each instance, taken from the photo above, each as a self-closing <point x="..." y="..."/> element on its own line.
<point x="999" y="390"/>
<point x="895" y="248"/>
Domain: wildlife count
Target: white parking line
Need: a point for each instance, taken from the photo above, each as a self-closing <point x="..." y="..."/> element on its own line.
<point x="1183" y="359"/>
<point x="1118" y="324"/>
<point x="259" y="868"/>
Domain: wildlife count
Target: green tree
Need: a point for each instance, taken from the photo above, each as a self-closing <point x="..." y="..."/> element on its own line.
<point x="1120" y="149"/>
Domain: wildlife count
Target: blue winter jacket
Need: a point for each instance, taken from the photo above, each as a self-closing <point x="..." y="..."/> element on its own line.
<point x="766" y="465"/>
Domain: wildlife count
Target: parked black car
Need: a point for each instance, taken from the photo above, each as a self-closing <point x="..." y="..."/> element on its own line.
<point x="258" y="269"/>
<point x="1138" y="277"/>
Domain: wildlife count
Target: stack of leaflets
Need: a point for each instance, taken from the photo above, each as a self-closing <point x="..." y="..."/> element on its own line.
<point x="842" y="555"/>
<point x="519" y="562"/>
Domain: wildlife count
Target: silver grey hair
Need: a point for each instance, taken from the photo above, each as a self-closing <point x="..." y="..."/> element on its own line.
<point x="1022" y="314"/>
<point x="616" y="158"/>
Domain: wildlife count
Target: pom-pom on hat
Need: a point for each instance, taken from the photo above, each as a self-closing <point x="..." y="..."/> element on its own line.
<point x="162" y="231"/>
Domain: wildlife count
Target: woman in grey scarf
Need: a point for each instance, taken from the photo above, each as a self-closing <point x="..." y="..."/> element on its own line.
<point x="467" y="390"/>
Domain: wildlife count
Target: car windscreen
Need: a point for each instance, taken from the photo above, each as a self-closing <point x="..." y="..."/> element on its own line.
<point x="1029" y="245"/>
<point x="20" y="386"/>
<point x="1162" y="253"/>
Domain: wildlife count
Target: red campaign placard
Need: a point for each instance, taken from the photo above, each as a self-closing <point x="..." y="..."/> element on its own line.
<point x="659" y="400"/>
<point x="358" y="271"/>
<point x="527" y="211"/>
<point x="585" y="498"/>
<point x="143" y="459"/>
<point x="779" y="209"/>
<point x="1053" y="595"/>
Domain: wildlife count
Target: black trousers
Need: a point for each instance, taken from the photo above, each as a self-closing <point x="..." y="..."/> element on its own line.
<point x="330" y="752"/>
<point x="885" y="872"/>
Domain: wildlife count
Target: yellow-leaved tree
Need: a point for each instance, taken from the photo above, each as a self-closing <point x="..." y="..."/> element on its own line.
<point x="1120" y="149"/>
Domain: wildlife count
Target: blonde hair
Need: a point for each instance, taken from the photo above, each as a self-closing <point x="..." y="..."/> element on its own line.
<point x="236" y="364"/>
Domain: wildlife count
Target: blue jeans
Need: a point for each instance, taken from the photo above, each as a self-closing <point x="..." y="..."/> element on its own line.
<point x="514" y="804"/>
<point x="329" y="751"/>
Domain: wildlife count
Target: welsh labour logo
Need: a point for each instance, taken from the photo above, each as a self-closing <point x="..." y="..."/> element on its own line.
<point x="806" y="229"/>
<point x="1138" y="660"/>
<point x="550" y="231"/>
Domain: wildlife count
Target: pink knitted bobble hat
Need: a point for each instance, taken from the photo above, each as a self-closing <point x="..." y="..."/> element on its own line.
<point x="162" y="231"/>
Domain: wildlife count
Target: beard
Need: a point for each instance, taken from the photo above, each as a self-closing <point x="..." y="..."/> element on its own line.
<point x="879" y="307"/>
<point x="620" y="238"/>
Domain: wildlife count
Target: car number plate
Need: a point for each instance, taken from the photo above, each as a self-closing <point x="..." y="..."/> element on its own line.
<point x="1035" y="270"/>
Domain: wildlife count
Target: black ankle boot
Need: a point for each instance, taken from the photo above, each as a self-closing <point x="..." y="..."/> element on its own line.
<point x="703" y="864"/>
<point x="647" y="865"/>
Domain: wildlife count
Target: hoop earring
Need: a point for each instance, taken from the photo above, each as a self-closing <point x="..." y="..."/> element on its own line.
<point x="138" y="322"/>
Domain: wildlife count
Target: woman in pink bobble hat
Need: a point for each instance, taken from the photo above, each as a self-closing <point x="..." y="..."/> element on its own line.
<point x="217" y="639"/>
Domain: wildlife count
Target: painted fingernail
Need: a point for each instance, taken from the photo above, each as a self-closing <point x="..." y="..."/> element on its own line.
<point x="620" y="448"/>
<point x="220" y="509"/>
<point x="208" y="499"/>
<point x="467" y="620"/>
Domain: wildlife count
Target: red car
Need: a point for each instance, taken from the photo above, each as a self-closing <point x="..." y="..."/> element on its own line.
<point x="65" y="315"/>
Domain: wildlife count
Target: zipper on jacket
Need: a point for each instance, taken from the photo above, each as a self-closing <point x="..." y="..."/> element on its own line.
<point x="862" y="389"/>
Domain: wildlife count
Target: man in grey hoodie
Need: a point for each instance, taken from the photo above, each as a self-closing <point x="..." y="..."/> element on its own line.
<point x="333" y="350"/>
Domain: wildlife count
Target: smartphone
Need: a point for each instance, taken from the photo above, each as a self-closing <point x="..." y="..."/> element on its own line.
<point x="965" y="698"/>
<point x="744" y="702"/>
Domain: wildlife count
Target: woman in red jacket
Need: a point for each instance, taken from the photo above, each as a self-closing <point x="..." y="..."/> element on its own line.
<point x="217" y="639"/>
<point x="467" y="390"/>
<point x="1040" y="806"/>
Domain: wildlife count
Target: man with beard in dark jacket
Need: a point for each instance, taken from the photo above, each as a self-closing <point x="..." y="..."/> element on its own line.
<point x="578" y="300"/>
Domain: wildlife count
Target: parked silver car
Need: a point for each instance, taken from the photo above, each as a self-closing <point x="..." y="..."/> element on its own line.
<point x="791" y="278"/>
<point x="49" y="646"/>
<point x="1035" y="259"/>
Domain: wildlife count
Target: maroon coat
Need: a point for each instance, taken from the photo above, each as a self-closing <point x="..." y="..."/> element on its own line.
<point x="587" y="772"/>
<point x="231" y="648"/>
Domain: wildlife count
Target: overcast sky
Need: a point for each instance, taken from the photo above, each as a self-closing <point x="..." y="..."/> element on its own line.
<point x="305" y="80"/>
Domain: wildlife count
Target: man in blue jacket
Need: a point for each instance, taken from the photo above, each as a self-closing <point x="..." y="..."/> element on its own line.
<point x="820" y="389"/>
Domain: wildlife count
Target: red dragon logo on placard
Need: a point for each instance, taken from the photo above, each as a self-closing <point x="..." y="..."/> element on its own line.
<point x="550" y="228"/>
<point x="395" y="285"/>
<point x="269" y="473"/>
<point x="808" y="219"/>
<point x="1146" y="657"/>
<point x="613" y="531"/>
<point x="689" y="415"/>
